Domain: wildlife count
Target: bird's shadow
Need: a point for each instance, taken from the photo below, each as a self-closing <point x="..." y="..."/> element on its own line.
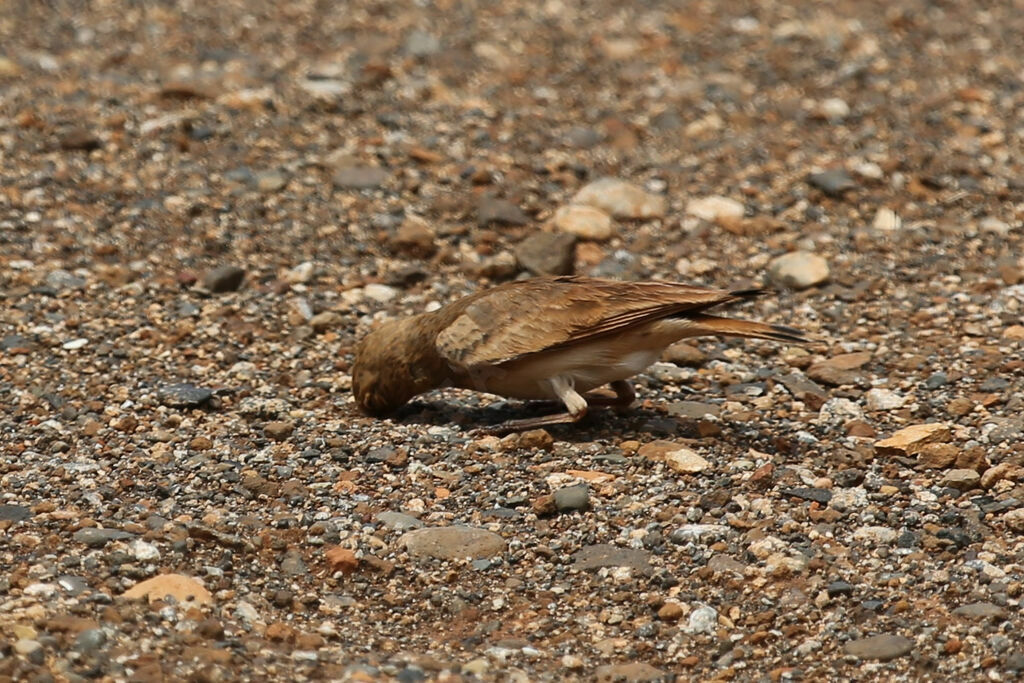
<point x="441" y="412"/>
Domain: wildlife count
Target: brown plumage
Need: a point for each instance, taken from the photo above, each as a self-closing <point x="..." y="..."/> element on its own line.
<point x="545" y="338"/>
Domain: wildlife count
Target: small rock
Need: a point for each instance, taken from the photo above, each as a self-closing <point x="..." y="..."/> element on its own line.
<point x="452" y="542"/>
<point x="380" y="293"/>
<point x="633" y="672"/>
<point x="90" y="640"/>
<point x="143" y="551"/>
<point x="882" y="647"/>
<point x="621" y="199"/>
<point x="585" y="222"/>
<point x="878" y="535"/>
<point x="270" y="181"/>
<point x="798" y="270"/>
<point x="693" y="410"/>
<point x="493" y="211"/>
<point x="80" y="140"/>
<point x="536" y="438"/>
<point x="182" y="588"/>
<point x="14" y="513"/>
<point x="704" y="619"/>
<point x="183" y="395"/>
<point x="279" y="430"/>
<point x="422" y="44"/>
<point x="415" y="238"/>
<point x="1014" y="519"/>
<point x="834" y="109"/>
<point x="671" y="611"/>
<point x="912" y="440"/>
<point x="1014" y="333"/>
<point x="97" y="538"/>
<point x="993" y="475"/>
<point x="398" y="521"/>
<point x="605" y="555"/>
<point x="223" y="279"/>
<point x="887" y="220"/>
<point x="839" y="589"/>
<point x="937" y="456"/>
<point x="835" y="182"/>
<point x="684" y="355"/>
<point x="325" y="320"/>
<point x="716" y="208"/>
<point x="360" y="177"/>
<point x="546" y="253"/>
<point x="979" y="611"/>
<point x="883" y="399"/>
<point x="571" y="498"/>
<point x="62" y="280"/>
<point x="678" y="458"/>
<point x="961" y="479"/>
<point x="839" y="370"/>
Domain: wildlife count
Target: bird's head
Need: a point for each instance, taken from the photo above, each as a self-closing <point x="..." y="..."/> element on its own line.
<point x="393" y="363"/>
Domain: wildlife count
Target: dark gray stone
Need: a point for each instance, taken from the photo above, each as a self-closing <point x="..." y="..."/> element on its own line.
<point x="97" y="538"/>
<point x="183" y="395"/>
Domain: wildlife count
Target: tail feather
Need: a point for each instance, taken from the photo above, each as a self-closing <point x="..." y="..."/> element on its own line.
<point x="711" y="325"/>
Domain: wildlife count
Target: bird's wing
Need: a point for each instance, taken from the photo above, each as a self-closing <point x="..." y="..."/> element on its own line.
<point x="530" y="316"/>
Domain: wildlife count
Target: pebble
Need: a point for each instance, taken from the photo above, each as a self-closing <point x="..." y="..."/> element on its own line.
<point x="584" y="222"/>
<point x="325" y="320"/>
<point x="979" y="611"/>
<point x="360" y="177"/>
<point x="422" y="44"/>
<point x="912" y="440"/>
<point x="279" y="430"/>
<point x="380" y="293"/>
<point x="97" y="538"/>
<point x="452" y="542"/>
<point x="14" y="513"/>
<point x="271" y="181"/>
<point x="798" y="270"/>
<point x="415" y="238"/>
<point x="182" y="588"/>
<point x="398" y="521"/>
<point x="887" y="220"/>
<point x="570" y="498"/>
<point x="961" y="479"/>
<point x="143" y="551"/>
<point x="835" y="182"/>
<point x="1014" y="519"/>
<point x="61" y="280"/>
<point x="684" y="355"/>
<point x="621" y="199"/>
<point x="183" y="395"/>
<point x="493" y="211"/>
<point x="605" y="555"/>
<point x="883" y="399"/>
<point x="834" y="109"/>
<point x="90" y="640"/>
<point x="883" y="648"/>
<point x="878" y="535"/>
<point x="546" y="253"/>
<point x="704" y="619"/>
<point x="632" y="672"/>
<point x="715" y="208"/>
<point x="678" y="458"/>
<point x="227" y="278"/>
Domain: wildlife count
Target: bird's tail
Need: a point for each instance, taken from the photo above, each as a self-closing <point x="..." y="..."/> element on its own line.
<point x="711" y="325"/>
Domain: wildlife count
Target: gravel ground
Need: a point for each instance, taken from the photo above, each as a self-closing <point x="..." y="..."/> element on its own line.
<point x="204" y="205"/>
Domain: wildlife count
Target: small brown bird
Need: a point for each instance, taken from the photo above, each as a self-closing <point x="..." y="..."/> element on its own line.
<point x="544" y="338"/>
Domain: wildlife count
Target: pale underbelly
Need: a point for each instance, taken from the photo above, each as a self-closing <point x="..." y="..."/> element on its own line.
<point x="585" y="368"/>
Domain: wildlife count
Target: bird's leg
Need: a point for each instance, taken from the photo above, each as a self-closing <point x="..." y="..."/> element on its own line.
<point x="623" y="398"/>
<point x="563" y="388"/>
